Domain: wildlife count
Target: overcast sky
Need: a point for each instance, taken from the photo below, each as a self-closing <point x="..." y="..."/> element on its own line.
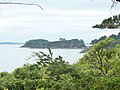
<point x="60" y="18"/>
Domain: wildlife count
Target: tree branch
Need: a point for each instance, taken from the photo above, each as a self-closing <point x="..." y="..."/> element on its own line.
<point x="34" y="4"/>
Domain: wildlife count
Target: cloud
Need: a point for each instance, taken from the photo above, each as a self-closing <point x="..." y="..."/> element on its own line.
<point x="30" y="21"/>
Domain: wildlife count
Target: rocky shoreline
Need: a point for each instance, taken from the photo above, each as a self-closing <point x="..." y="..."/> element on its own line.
<point x="85" y="49"/>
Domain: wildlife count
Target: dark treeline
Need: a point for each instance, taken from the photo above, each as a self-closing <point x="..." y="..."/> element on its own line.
<point x="115" y="37"/>
<point x="110" y="23"/>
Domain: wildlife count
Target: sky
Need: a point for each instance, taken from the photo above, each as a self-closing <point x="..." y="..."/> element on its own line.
<point x="60" y="19"/>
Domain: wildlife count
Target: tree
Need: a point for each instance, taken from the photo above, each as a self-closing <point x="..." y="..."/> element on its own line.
<point x="62" y="39"/>
<point x="43" y="59"/>
<point x="116" y="65"/>
<point x="99" y="57"/>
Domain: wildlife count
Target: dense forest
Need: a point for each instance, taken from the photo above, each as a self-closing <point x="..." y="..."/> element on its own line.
<point x="99" y="69"/>
<point x="62" y="43"/>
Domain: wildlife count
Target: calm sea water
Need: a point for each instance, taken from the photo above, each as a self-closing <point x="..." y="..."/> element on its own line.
<point x="12" y="56"/>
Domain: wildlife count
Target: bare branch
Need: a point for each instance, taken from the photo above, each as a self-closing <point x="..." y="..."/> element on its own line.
<point x="114" y="3"/>
<point x="23" y="4"/>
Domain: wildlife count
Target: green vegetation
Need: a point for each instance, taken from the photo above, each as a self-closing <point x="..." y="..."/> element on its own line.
<point x="110" y="23"/>
<point x="62" y="43"/>
<point x="115" y="37"/>
<point x="99" y="69"/>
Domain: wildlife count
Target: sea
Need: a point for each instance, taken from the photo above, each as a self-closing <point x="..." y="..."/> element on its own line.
<point x="13" y="56"/>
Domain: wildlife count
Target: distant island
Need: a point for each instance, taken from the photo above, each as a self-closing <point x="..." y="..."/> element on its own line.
<point x="110" y="23"/>
<point x="115" y="37"/>
<point x="10" y="43"/>
<point x="62" y="43"/>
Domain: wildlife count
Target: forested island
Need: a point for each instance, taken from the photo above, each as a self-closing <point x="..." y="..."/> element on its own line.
<point x="110" y="23"/>
<point x="13" y="43"/>
<point x="62" y="43"/>
<point x="115" y="37"/>
<point x="95" y="41"/>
